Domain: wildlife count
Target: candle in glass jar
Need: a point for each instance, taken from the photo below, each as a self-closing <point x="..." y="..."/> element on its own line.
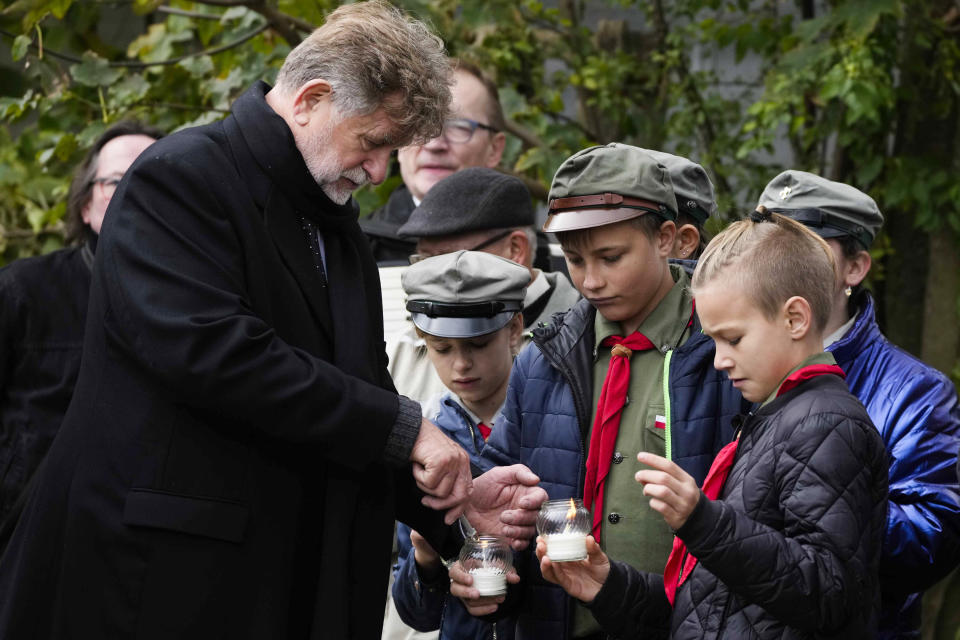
<point x="489" y="581"/>
<point x="566" y="547"/>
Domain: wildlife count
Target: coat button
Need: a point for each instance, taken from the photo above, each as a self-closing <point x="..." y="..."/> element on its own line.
<point x="617" y="458"/>
<point x="614" y="518"/>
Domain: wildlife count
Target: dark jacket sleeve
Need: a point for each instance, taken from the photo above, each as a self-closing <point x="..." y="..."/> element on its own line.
<point x="174" y="272"/>
<point x="632" y="604"/>
<point x="811" y="574"/>
<point x="419" y="602"/>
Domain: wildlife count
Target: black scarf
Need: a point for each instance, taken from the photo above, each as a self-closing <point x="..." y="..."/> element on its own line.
<point x="271" y="143"/>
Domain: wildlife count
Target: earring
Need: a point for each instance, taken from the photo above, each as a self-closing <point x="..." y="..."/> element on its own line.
<point x="848" y="292"/>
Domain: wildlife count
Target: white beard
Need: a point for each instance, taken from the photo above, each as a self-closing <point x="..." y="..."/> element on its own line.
<point x="326" y="168"/>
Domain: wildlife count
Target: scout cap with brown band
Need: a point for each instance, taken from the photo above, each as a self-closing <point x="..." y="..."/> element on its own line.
<point x="606" y="184"/>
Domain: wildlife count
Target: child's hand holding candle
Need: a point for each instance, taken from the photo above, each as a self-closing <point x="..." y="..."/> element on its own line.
<point x="583" y="579"/>
<point x="564" y="525"/>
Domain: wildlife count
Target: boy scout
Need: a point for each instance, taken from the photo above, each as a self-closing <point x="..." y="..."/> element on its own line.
<point x="625" y="370"/>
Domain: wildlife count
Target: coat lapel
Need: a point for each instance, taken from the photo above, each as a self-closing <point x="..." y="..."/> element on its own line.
<point x="292" y="245"/>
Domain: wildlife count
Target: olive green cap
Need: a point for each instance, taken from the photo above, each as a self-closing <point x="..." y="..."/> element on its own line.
<point x="692" y="185"/>
<point x="606" y="184"/>
<point x="464" y="294"/>
<point x="830" y="209"/>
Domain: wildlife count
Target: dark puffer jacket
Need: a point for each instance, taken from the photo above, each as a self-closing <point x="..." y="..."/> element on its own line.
<point x="792" y="548"/>
<point x="547" y="414"/>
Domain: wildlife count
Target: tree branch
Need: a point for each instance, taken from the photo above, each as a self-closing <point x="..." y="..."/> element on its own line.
<point x="182" y="107"/>
<point x="189" y="14"/>
<point x="135" y="64"/>
<point x="284" y="24"/>
<point x="528" y="137"/>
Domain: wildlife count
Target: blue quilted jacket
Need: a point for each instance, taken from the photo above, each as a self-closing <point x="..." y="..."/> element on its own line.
<point x="427" y="606"/>
<point x="915" y="409"/>
<point x="547" y="415"/>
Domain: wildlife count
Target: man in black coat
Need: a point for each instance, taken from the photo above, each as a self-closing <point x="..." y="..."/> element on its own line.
<point x="43" y="309"/>
<point x="235" y="453"/>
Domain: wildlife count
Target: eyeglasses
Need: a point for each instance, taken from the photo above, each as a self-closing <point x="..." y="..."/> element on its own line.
<point x="417" y="257"/>
<point x="460" y="130"/>
<point x="107" y="185"/>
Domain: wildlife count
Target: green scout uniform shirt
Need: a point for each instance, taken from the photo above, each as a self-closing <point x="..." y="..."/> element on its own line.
<point x="632" y="532"/>
<point x="818" y="358"/>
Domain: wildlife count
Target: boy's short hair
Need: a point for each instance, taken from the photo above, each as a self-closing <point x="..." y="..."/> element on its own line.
<point x="773" y="258"/>
<point x="576" y="239"/>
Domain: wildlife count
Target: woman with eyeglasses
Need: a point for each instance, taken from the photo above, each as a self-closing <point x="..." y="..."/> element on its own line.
<point x="43" y="306"/>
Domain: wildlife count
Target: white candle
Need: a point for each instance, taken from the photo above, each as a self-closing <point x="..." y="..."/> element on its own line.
<point x="565" y="547"/>
<point x="489" y="581"/>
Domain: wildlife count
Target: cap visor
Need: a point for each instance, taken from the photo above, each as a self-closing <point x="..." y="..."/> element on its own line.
<point x="587" y="218"/>
<point x="444" y="327"/>
<point x="827" y="232"/>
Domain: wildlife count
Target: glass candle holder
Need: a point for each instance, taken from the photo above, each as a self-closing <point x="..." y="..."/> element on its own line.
<point x="487" y="559"/>
<point x="564" y="525"/>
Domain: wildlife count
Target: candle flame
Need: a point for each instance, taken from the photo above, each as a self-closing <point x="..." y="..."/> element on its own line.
<point x="572" y="511"/>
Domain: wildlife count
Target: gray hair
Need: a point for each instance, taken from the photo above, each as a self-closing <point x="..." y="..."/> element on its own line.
<point x="373" y="55"/>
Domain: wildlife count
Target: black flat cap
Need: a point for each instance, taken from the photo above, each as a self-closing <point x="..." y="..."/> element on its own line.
<point x="473" y="199"/>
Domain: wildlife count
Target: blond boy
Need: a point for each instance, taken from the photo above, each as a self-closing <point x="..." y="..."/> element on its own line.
<point x="783" y="540"/>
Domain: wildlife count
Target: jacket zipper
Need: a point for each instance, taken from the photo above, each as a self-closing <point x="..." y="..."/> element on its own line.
<point x="668" y="440"/>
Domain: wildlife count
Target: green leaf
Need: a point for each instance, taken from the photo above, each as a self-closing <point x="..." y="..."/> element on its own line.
<point x="94" y="71"/>
<point x="130" y="90"/>
<point x="234" y="13"/>
<point x="197" y="66"/>
<point x="20" y="45"/>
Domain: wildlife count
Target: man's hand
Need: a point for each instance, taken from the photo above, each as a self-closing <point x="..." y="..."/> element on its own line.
<point x="442" y="471"/>
<point x="505" y="503"/>
<point x="673" y="492"/>
<point x="582" y="579"/>
<point x="461" y="586"/>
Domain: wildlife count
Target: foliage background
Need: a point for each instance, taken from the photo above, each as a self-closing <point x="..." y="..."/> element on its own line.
<point x="862" y="91"/>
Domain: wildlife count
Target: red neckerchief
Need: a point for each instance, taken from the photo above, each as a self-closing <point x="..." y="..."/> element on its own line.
<point x="603" y="439"/>
<point x="484" y="430"/>
<point x="680" y="564"/>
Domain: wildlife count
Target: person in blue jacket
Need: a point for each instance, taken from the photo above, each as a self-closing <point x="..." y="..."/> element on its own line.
<point x="467" y="306"/>
<point x="614" y="210"/>
<point x="913" y="405"/>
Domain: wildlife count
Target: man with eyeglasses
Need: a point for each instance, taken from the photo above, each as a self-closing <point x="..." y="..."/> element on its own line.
<point x="43" y="307"/>
<point x="472" y="137"/>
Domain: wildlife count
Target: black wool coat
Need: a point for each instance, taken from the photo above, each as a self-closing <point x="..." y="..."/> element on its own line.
<point x="791" y="550"/>
<point x="220" y="472"/>
<point x="43" y="309"/>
